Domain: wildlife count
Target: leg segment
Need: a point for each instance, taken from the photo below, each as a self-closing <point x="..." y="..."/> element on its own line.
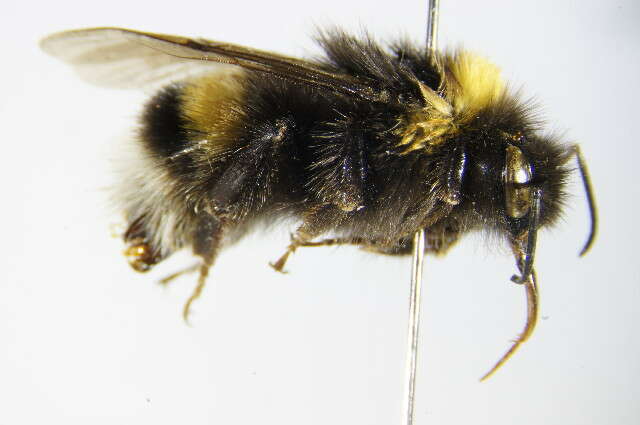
<point x="168" y="279"/>
<point x="315" y="222"/>
<point x="455" y="173"/>
<point x="207" y="239"/>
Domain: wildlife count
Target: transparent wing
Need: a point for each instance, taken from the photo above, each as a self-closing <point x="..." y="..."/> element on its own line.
<point x="111" y="57"/>
<point x="124" y="58"/>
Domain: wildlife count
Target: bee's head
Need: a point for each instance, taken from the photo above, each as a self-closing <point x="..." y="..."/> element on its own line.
<point x="503" y="173"/>
<point x="515" y="182"/>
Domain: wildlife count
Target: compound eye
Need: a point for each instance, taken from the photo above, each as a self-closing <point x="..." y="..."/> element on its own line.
<point x="517" y="176"/>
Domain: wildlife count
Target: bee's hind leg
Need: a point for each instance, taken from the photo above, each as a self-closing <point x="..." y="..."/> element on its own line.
<point x="207" y="239"/>
<point x="168" y="279"/>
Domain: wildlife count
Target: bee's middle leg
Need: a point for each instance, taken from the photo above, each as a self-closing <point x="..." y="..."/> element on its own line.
<point x="316" y="222"/>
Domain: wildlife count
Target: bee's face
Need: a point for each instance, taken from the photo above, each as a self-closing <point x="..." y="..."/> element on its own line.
<point x="504" y="173"/>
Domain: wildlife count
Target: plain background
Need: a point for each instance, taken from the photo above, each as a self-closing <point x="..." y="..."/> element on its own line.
<point x="86" y="340"/>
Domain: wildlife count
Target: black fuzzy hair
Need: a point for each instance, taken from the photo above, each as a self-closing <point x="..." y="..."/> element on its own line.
<point x="336" y="162"/>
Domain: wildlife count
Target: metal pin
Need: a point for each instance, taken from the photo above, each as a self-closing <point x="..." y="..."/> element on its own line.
<point x="432" y="28"/>
<point x="408" y="416"/>
<point x="414" y="328"/>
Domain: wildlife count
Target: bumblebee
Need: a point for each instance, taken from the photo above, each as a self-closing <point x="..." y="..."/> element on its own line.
<point x="365" y="146"/>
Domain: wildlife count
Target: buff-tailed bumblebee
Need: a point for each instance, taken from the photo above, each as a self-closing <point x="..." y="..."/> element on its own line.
<point x="364" y="146"/>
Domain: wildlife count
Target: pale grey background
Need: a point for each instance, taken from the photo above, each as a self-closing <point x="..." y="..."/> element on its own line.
<point x="86" y="340"/>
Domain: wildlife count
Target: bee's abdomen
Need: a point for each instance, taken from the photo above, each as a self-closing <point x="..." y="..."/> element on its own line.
<point x="163" y="126"/>
<point x="194" y="123"/>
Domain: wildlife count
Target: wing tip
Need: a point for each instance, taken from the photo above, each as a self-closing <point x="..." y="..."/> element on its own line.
<point x="56" y="43"/>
